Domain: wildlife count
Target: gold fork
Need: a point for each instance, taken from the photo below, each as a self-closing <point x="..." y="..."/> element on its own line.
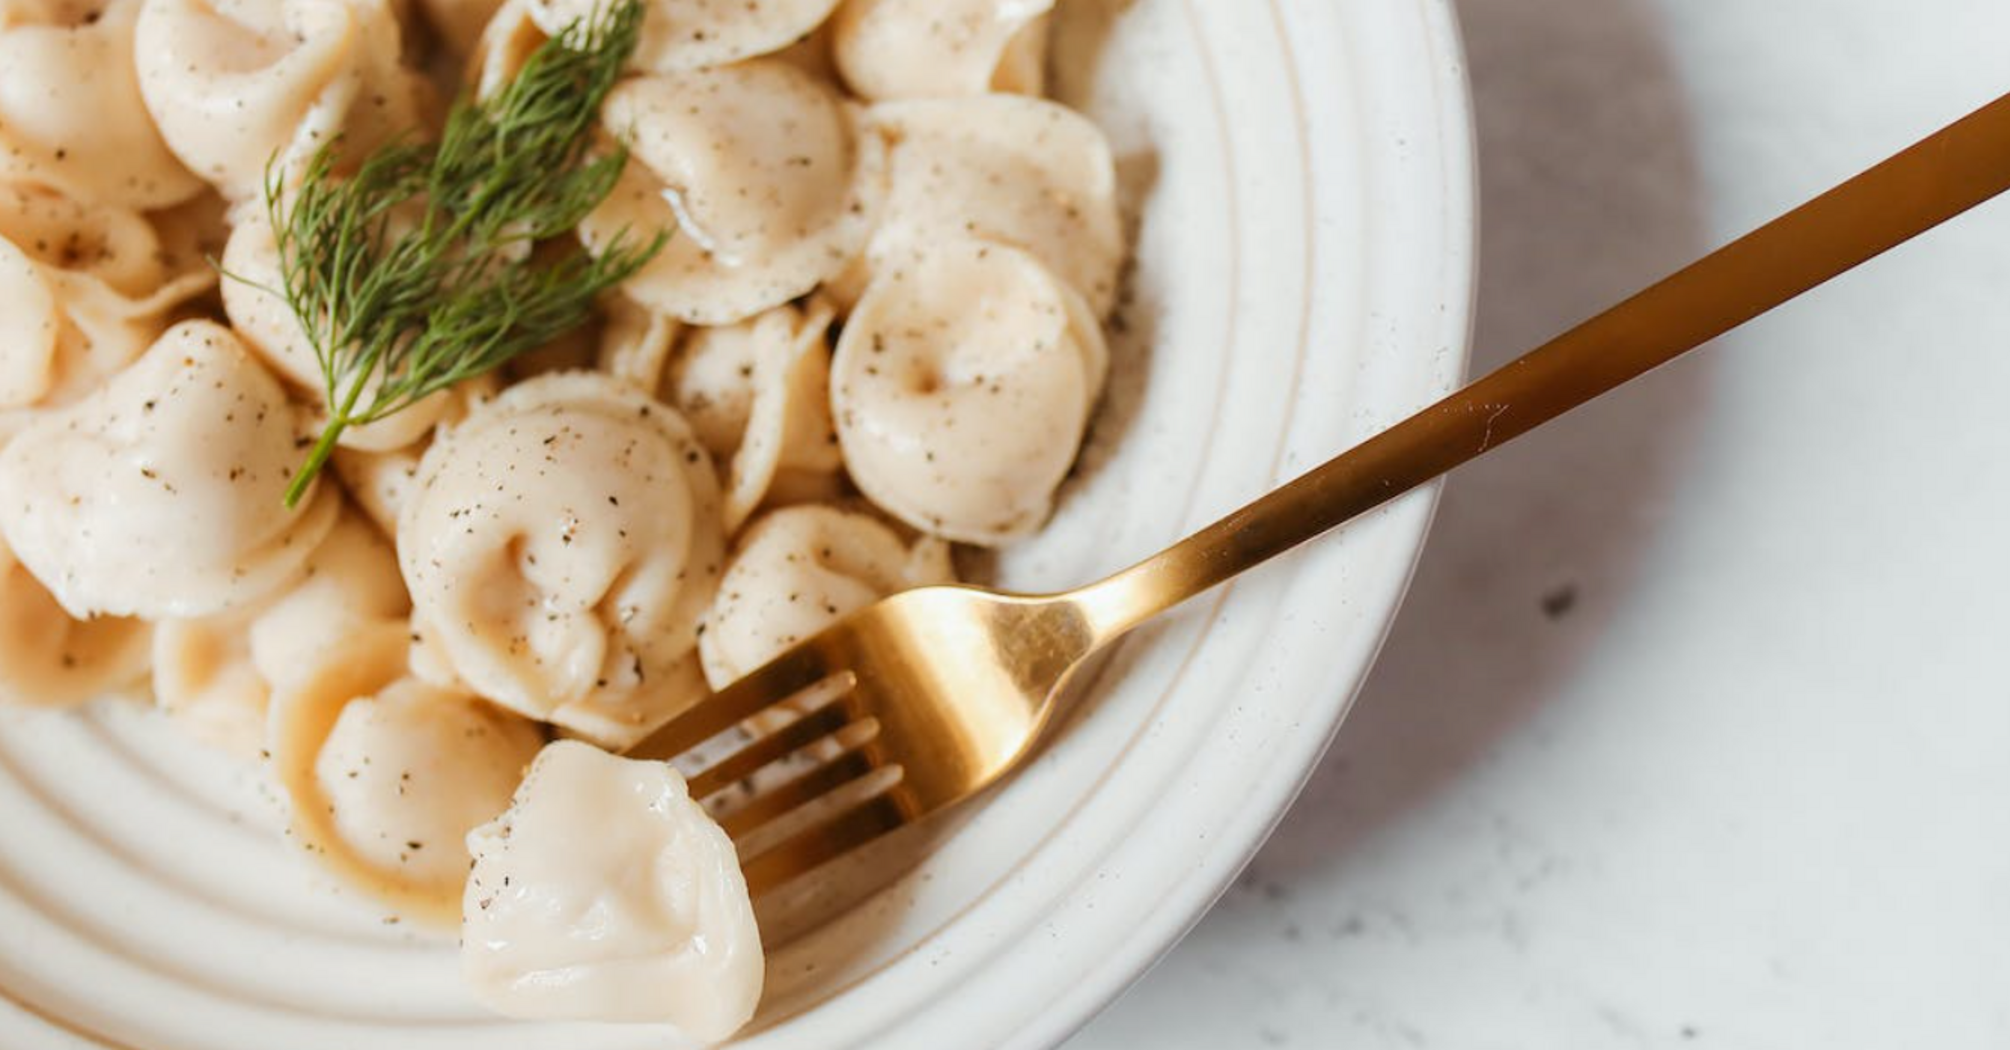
<point x="934" y="694"/>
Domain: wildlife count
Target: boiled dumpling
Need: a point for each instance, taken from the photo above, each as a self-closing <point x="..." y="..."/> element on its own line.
<point x="48" y="658"/>
<point x="890" y="49"/>
<point x="161" y="495"/>
<point x="385" y="775"/>
<point x="70" y="111"/>
<point x="760" y="171"/>
<point x="83" y="291"/>
<point x="758" y="395"/>
<point x="963" y="387"/>
<point x="560" y="546"/>
<point x="380" y="482"/>
<point x="636" y="343"/>
<point x="797" y="571"/>
<point x="1024" y="172"/>
<point x="605" y="893"/>
<point x="216" y="675"/>
<point x="694" y="34"/>
<point x="235" y="86"/>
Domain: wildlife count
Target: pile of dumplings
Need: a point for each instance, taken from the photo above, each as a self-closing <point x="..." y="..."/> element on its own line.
<point x="876" y="332"/>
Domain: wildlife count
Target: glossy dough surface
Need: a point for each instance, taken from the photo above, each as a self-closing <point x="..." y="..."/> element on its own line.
<point x="700" y="34"/>
<point x="560" y="545"/>
<point x="605" y="893"/>
<point x="890" y="49"/>
<point x="384" y="775"/>
<point x="189" y="451"/>
<point x="1006" y="169"/>
<point x="963" y="387"/>
<point x="71" y="117"/>
<point x="234" y="85"/>
<point x="797" y="571"/>
<point x="761" y="171"/>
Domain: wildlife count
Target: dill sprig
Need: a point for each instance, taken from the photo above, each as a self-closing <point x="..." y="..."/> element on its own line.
<point x="422" y="268"/>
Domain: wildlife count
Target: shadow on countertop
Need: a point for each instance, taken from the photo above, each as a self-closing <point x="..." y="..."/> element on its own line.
<point x="1589" y="190"/>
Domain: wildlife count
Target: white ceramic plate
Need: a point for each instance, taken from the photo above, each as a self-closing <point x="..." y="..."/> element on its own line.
<point x="1302" y="174"/>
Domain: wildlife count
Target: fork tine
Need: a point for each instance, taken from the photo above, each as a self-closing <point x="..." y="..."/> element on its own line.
<point x="822" y="843"/>
<point x="787" y="740"/>
<point x="800" y="791"/>
<point x="786" y="676"/>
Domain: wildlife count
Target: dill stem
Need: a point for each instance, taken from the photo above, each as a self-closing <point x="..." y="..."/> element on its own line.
<point x="303" y="478"/>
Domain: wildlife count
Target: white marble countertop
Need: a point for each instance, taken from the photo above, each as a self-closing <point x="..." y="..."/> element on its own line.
<point x="1695" y="731"/>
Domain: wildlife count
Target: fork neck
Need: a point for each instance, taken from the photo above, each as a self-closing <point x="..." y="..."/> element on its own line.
<point x="1388" y="465"/>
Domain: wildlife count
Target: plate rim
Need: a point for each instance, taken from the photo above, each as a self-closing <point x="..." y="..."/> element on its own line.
<point x="1128" y="963"/>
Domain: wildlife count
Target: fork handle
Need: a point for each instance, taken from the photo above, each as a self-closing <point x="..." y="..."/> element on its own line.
<point x="1950" y="172"/>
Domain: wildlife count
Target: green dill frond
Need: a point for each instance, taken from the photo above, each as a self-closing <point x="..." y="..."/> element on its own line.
<point x="419" y="270"/>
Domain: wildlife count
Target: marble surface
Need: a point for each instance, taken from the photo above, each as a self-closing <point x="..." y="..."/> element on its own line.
<point x="1694" y="730"/>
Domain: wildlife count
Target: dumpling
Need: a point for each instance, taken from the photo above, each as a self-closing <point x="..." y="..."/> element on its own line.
<point x="161" y="495"/>
<point x="761" y="171"/>
<point x="797" y="571"/>
<point x="605" y="893"/>
<point x="70" y="111"/>
<point x="560" y="547"/>
<point x="385" y="775"/>
<point x="963" y="386"/>
<point x="635" y="342"/>
<point x="1025" y="172"/>
<point x="680" y="35"/>
<point x="380" y="482"/>
<point x="216" y="675"/>
<point x="234" y="85"/>
<point x="758" y="395"/>
<point x="84" y="289"/>
<point x="890" y="49"/>
<point x="49" y="659"/>
<point x="108" y="242"/>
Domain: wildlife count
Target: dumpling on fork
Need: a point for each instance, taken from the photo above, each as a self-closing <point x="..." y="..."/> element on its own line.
<point x="605" y="893"/>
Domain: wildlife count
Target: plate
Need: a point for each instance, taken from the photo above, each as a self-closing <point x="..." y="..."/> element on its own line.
<point x="1300" y="172"/>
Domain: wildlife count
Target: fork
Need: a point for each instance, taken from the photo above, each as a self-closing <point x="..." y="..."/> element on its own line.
<point x="932" y="695"/>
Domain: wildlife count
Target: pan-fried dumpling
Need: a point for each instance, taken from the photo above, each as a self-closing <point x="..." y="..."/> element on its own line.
<point x="70" y="111"/>
<point x="233" y="84"/>
<point x="963" y="388"/>
<point x="216" y="675"/>
<point x="160" y="495"/>
<point x="1025" y="172"/>
<point x="385" y="775"/>
<point x="560" y="546"/>
<point x="797" y="571"/>
<point x="682" y="35"/>
<point x="605" y="893"/>
<point x="760" y="170"/>
<point x="890" y="49"/>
